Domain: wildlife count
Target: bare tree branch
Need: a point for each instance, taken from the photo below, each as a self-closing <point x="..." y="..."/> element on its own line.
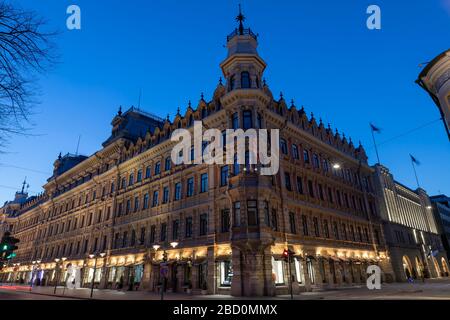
<point x="26" y="50"/>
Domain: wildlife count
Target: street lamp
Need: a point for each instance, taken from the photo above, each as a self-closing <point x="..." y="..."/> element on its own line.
<point x="336" y="166"/>
<point x="163" y="265"/>
<point x="94" y="256"/>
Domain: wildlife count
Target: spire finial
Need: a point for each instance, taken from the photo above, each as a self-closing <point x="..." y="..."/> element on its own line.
<point x="167" y="118"/>
<point x="120" y="111"/>
<point x="264" y="82"/>
<point x="23" y="184"/>
<point x="281" y="95"/>
<point x="202" y="96"/>
<point x="220" y="80"/>
<point x="292" y="103"/>
<point x="189" y="104"/>
<point x="241" y="19"/>
<point x="178" y="111"/>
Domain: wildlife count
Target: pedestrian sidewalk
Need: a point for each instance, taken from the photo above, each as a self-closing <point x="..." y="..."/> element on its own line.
<point x="104" y="294"/>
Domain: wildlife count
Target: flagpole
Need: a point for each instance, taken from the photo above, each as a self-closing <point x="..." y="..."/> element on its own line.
<point x="415" y="173"/>
<point x="375" y="145"/>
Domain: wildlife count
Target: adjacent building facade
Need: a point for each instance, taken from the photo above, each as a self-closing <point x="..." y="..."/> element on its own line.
<point x="441" y="208"/>
<point x="228" y="224"/>
<point x="414" y="244"/>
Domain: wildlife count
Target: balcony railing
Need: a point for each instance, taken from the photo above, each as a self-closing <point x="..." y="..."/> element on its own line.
<point x="245" y="32"/>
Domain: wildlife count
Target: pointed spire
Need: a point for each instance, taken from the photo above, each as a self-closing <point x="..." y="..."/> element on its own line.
<point x="281" y="96"/>
<point x="202" y="96"/>
<point x="178" y="111"/>
<point x="23" y="184"/>
<point x="292" y="103"/>
<point x="189" y="104"/>
<point x="220" y="81"/>
<point x="59" y="156"/>
<point x="120" y="111"/>
<point x="264" y="82"/>
<point x="240" y="18"/>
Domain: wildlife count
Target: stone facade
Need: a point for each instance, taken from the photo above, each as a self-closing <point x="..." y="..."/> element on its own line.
<point x="231" y="224"/>
<point x="414" y="243"/>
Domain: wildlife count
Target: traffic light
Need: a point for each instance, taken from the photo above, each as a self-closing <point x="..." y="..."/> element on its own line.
<point x="287" y="254"/>
<point x="8" y="246"/>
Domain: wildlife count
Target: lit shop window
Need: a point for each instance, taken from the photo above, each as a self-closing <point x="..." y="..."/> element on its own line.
<point x="277" y="271"/>
<point x="226" y="273"/>
<point x="299" y="271"/>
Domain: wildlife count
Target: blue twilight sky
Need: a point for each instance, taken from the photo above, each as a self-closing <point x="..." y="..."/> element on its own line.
<point x="318" y="52"/>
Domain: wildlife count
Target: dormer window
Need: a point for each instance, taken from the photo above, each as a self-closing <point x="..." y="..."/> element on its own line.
<point x="245" y="80"/>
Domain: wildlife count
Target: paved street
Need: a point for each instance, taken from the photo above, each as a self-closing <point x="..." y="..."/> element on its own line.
<point x="431" y="289"/>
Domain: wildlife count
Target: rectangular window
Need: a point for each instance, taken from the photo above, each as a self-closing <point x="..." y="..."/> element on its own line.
<point x="167" y="164"/>
<point x="321" y="192"/>
<point x="203" y="224"/>
<point x="224" y="176"/>
<point x="155" y="198"/>
<point x="295" y="153"/>
<point x="226" y="273"/>
<point x="136" y="204"/>
<point x="292" y="222"/>
<point x="283" y="146"/>
<point x="166" y="194"/>
<point x="204" y="182"/>
<point x="142" y="236"/>
<point x="152" y="234"/>
<point x="188" y="231"/>
<point x="157" y="168"/>
<point x="310" y="188"/>
<point x="163" y="234"/>
<point x="145" y="201"/>
<point x="316" y="227"/>
<point x="287" y="181"/>
<point x="252" y="213"/>
<point x="336" y="230"/>
<point x="306" y="156"/>
<point x="237" y="214"/>
<point x="274" y="221"/>
<point x="326" y="231"/>
<point x="299" y="185"/>
<point x="178" y="191"/>
<point x="316" y="161"/>
<point x="247" y="119"/>
<point x="278" y="271"/>
<point x="139" y="176"/>
<point x="175" y="225"/>
<point x="225" y="220"/>
<point x="235" y="121"/>
<point x="148" y="172"/>
<point x="305" y="225"/>
<point x="190" y="187"/>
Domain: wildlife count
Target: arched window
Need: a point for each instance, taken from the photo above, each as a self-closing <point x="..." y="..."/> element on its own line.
<point x="245" y="80"/>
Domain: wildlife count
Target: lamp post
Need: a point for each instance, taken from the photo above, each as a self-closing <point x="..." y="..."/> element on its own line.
<point x="56" y="274"/>
<point x="94" y="256"/>
<point x="163" y="266"/>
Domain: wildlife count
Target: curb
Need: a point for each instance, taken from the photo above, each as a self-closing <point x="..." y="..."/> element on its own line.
<point x="54" y="295"/>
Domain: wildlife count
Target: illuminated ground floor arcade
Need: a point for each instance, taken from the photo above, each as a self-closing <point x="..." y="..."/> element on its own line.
<point x="218" y="269"/>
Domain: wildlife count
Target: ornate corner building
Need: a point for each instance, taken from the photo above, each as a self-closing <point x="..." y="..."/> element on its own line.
<point x="229" y="224"/>
<point x="435" y="80"/>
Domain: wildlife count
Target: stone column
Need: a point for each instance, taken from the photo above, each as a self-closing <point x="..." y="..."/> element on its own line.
<point x="211" y="272"/>
<point x="146" y="276"/>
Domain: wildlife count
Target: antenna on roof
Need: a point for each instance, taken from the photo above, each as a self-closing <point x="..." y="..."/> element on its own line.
<point x="139" y="102"/>
<point x="78" y="145"/>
